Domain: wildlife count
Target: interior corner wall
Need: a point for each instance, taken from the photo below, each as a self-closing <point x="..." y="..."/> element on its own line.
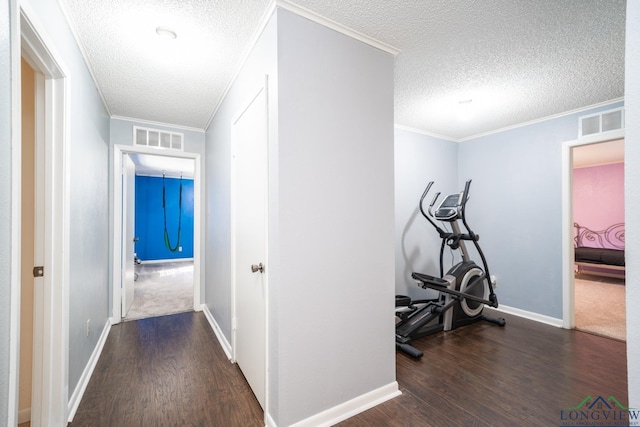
<point x="419" y="159"/>
<point x="335" y="222"/>
<point x="516" y="208"/>
<point x="88" y="192"/>
<point x="632" y="201"/>
<point x="7" y="175"/>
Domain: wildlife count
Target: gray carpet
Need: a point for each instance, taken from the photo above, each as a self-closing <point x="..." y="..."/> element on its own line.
<point x="161" y="289"/>
<point x="600" y="306"/>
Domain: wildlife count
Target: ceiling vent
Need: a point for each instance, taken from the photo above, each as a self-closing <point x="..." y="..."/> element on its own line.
<point x="601" y="122"/>
<point x="156" y="138"/>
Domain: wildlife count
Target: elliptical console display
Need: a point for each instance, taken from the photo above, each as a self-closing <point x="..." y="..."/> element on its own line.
<point x="462" y="292"/>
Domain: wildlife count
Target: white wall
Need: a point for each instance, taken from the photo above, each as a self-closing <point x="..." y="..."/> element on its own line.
<point x="88" y="192"/>
<point x="632" y="201"/>
<point x="6" y="174"/>
<point x="419" y="159"/>
<point x="331" y="214"/>
<point x="334" y="221"/>
<point x="261" y="62"/>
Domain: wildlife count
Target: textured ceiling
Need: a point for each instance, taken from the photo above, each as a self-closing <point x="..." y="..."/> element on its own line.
<point x="465" y="67"/>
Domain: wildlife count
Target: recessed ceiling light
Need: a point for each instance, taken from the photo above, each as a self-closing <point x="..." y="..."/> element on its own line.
<point x="465" y="109"/>
<point x="166" y="32"/>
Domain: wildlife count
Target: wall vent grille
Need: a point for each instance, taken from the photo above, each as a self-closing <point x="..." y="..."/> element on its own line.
<point x="604" y="121"/>
<point x="156" y="138"/>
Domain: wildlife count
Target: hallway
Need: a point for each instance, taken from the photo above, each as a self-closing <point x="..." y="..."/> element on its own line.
<point x="166" y="371"/>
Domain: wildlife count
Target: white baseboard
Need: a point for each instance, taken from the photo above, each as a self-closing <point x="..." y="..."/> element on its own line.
<point x="226" y="346"/>
<point x="268" y="421"/>
<point x="162" y="261"/>
<point x="349" y="408"/>
<point x="76" y="397"/>
<point x="24" y="415"/>
<point x="529" y="315"/>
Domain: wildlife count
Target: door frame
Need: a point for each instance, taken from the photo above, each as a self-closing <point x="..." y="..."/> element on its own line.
<point x="118" y="152"/>
<point x="257" y="91"/>
<point x="50" y="383"/>
<point x="568" y="253"/>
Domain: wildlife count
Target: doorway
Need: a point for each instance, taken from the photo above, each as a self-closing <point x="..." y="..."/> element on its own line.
<point x="569" y="151"/>
<point x="598" y="216"/>
<point x="50" y="358"/>
<point x="249" y="242"/>
<point x="159" y="265"/>
<point x="28" y="239"/>
<point x="169" y="163"/>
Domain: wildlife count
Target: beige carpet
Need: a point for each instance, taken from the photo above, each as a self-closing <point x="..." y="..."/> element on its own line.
<point x="600" y="306"/>
<point x="161" y="289"/>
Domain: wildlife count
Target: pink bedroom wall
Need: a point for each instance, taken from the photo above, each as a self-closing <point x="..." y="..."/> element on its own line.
<point x="598" y="196"/>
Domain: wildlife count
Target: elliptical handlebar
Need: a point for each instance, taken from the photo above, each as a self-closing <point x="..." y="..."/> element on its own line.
<point x="424" y="214"/>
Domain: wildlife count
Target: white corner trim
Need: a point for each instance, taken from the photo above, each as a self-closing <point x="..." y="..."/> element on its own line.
<point x="164" y="261"/>
<point x="530" y="315"/>
<point x="64" y="8"/>
<point x="544" y="119"/>
<point x="306" y="13"/>
<point x="76" y="397"/>
<point x="424" y="132"/>
<point x="226" y="346"/>
<point x="268" y="421"/>
<point x="349" y="408"/>
<point x="164" y="126"/>
<point x="313" y="16"/>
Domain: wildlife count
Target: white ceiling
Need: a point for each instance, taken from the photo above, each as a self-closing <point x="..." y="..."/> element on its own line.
<point x="171" y="167"/>
<point x="517" y="61"/>
<point x="598" y="154"/>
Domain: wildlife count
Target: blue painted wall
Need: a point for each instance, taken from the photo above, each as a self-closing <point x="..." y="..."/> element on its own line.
<point x="150" y="218"/>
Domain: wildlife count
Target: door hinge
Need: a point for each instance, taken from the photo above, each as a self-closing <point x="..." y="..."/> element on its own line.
<point x="38" y="271"/>
<point x="234" y="323"/>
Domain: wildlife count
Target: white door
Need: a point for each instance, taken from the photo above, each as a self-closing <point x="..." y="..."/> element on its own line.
<point x="128" y="230"/>
<point x="249" y="139"/>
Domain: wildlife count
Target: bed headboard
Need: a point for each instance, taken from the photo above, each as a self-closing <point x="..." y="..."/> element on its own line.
<point x="609" y="238"/>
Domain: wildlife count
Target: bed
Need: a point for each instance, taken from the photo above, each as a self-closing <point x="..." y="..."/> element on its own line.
<point x="600" y="252"/>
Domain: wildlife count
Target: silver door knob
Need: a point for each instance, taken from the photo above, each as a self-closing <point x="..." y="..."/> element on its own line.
<point x="256" y="268"/>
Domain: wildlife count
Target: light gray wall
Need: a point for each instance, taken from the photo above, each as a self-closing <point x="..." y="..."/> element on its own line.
<point x="121" y="133"/>
<point x="419" y="159"/>
<point x="331" y="214"/>
<point x="335" y="220"/>
<point x="261" y="62"/>
<point x="88" y="192"/>
<point x="632" y="201"/>
<point x="6" y="173"/>
<point x="516" y="207"/>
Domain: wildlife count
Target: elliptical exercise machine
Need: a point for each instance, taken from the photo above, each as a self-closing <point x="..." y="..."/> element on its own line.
<point x="463" y="291"/>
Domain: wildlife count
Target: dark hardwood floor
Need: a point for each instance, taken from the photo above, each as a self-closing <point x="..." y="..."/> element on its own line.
<point x="483" y="375"/>
<point x="166" y="371"/>
<point x="170" y="371"/>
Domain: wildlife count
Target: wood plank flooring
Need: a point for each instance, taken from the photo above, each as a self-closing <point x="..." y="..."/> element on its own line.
<point x="166" y="371"/>
<point x="170" y="371"/>
<point x="483" y="375"/>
